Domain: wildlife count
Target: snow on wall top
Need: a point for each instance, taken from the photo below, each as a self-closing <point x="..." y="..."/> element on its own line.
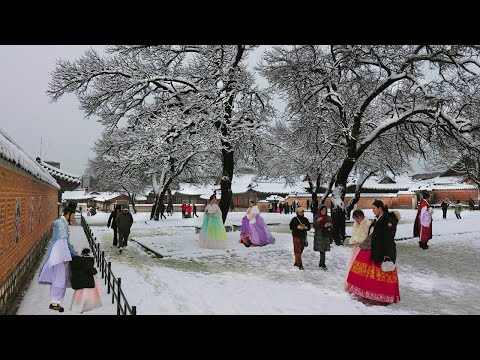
<point x="11" y="151"/>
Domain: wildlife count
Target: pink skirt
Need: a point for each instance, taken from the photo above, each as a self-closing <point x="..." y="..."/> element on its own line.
<point x="86" y="299"/>
<point x="367" y="280"/>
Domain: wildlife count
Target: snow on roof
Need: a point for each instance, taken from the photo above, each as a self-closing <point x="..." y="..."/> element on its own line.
<point x="76" y="195"/>
<point x="195" y="189"/>
<point x="12" y="152"/>
<point x="54" y="171"/>
<point x="402" y="182"/>
<point x="275" y="198"/>
<point x="108" y="196"/>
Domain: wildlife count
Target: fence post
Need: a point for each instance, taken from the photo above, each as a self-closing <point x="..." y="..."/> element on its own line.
<point x="109" y="265"/>
<point x="102" y="264"/>
<point x="98" y="253"/>
<point x="119" y="286"/>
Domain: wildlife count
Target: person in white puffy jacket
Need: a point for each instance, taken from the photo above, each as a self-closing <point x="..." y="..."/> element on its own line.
<point x="360" y="229"/>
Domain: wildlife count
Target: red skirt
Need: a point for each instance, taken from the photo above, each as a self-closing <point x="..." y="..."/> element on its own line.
<point x="366" y="279"/>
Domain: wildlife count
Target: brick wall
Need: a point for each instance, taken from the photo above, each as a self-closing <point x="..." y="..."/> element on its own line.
<point x="454" y="195"/>
<point x="28" y="208"/>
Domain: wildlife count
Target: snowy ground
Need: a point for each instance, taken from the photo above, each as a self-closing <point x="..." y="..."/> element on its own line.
<point x="263" y="280"/>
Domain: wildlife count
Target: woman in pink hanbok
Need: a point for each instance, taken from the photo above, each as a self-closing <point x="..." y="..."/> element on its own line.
<point x="87" y="295"/>
<point x="254" y="231"/>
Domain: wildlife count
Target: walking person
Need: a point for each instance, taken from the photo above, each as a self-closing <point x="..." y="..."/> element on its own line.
<point x="212" y="233"/>
<point x="113" y="224"/>
<point x="87" y="294"/>
<point x="299" y="226"/>
<point x="162" y="210"/>
<point x="458" y="209"/>
<point x="124" y="223"/>
<point x="422" y="227"/>
<point x="444" y="207"/>
<point x="321" y="241"/>
<point x="194" y="213"/>
<point x="55" y="270"/>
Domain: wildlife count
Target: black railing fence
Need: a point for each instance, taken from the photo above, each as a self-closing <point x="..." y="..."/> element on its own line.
<point x="113" y="283"/>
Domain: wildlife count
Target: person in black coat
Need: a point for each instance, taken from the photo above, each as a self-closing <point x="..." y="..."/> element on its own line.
<point x="111" y="222"/>
<point x="384" y="229"/>
<point x="83" y="269"/>
<point x="299" y="226"/>
<point x="444" y="206"/>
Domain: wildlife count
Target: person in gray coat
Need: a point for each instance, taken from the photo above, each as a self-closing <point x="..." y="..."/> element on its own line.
<point x="321" y="241"/>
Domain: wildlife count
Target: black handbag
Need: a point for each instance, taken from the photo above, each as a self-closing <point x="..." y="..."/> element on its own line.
<point x="367" y="243"/>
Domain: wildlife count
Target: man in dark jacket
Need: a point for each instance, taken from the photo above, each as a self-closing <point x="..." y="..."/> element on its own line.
<point x="124" y="223"/>
<point x="112" y="223"/>
<point x="384" y="229"/>
<point x="299" y="226"/>
<point x="444" y="206"/>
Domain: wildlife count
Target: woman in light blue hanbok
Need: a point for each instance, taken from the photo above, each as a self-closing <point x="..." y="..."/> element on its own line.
<point x="212" y="233"/>
<point x="55" y="270"/>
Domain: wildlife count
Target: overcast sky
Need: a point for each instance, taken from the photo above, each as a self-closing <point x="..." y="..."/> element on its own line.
<point x="29" y="117"/>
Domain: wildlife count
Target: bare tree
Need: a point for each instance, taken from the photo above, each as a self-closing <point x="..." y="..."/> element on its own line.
<point x="403" y="96"/>
<point x="186" y="85"/>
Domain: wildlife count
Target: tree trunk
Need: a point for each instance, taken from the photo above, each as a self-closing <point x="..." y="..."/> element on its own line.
<point x="154" y="207"/>
<point x="132" y="200"/>
<point x="226" y="182"/>
<point x="338" y="205"/>
<point x="158" y="202"/>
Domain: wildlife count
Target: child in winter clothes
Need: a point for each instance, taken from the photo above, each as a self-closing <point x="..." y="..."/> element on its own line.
<point x="87" y="289"/>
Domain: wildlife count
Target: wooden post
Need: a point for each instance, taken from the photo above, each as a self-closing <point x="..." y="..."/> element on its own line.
<point x="109" y="271"/>
<point x="119" y="285"/>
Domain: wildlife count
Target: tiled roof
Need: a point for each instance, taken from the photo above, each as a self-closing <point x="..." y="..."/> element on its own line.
<point x="58" y="173"/>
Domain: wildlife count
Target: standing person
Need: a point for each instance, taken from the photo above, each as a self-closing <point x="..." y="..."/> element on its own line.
<point x="194" y="208"/>
<point x="124" y="223"/>
<point x="299" y="226"/>
<point x="152" y="212"/>
<point x="170" y="209"/>
<point x="458" y="209"/>
<point x="113" y="224"/>
<point x="87" y="295"/>
<point x="444" y="206"/>
<point x="254" y="231"/>
<point x="212" y="233"/>
<point x="184" y="210"/>
<point x="321" y="241"/>
<point x="366" y="277"/>
<point x="471" y="204"/>
<point x="55" y="270"/>
<point x="189" y="210"/>
<point x="360" y="229"/>
<point x="423" y="222"/>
